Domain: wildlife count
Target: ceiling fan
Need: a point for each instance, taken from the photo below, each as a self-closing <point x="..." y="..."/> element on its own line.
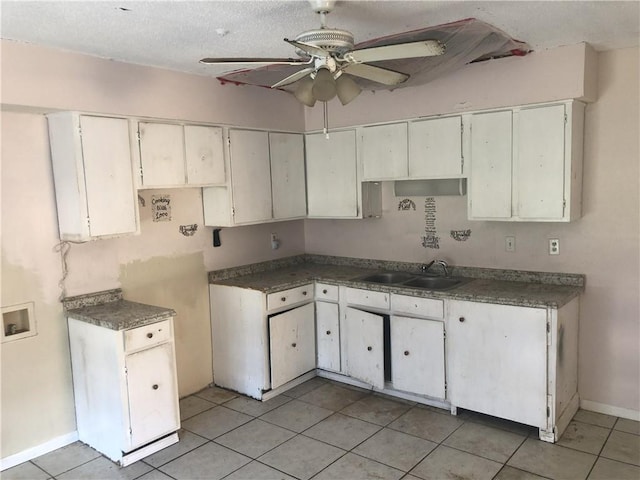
<point x="329" y="60"/>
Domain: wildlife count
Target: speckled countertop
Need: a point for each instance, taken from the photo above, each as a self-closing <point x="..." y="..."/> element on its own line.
<point x="507" y="287"/>
<point x="107" y="309"/>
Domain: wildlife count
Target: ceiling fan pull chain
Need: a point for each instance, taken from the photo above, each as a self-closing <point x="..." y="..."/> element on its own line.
<point x="326" y="120"/>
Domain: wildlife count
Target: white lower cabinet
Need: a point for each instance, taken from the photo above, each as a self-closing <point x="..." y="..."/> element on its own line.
<point x="261" y="341"/>
<point x="125" y="388"/>
<point x="518" y="363"/>
<point x="365" y="346"/>
<point x="328" y="336"/>
<point x="417" y="356"/>
<point x="292" y="344"/>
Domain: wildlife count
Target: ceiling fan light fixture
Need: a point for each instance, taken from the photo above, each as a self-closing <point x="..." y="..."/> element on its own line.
<point x="304" y="92"/>
<point x="324" y="86"/>
<point x="347" y="89"/>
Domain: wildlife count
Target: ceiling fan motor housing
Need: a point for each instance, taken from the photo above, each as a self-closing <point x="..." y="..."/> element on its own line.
<point x="332" y="40"/>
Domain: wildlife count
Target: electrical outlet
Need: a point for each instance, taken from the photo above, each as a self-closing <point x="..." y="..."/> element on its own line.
<point x="510" y="244"/>
<point x="554" y="246"/>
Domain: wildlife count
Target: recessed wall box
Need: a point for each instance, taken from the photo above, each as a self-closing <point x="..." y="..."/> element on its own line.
<point x="18" y="322"/>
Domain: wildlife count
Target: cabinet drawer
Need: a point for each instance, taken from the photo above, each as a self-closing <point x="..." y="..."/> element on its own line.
<point x="143" y="337"/>
<point x="423" y="307"/>
<point x="289" y="297"/>
<point x="368" y="298"/>
<point x="326" y="292"/>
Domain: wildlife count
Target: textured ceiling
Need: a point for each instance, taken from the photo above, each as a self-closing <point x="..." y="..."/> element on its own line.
<point x="176" y="34"/>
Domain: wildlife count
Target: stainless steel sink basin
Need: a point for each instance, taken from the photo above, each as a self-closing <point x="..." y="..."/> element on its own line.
<point x="388" y="277"/>
<point x="434" y="283"/>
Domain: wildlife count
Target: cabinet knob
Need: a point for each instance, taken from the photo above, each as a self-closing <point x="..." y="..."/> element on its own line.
<point x="324" y="291"/>
<point x="328" y="332"/>
<point x="155" y="387"/>
<point x="304" y="293"/>
<point x="293" y="345"/>
<point x="149" y="335"/>
<point x="461" y="319"/>
<point x="369" y="348"/>
<point x="406" y="353"/>
<point x="283" y="299"/>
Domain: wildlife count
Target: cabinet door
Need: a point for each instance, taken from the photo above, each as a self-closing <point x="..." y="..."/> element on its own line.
<point x="250" y="176"/>
<point x="111" y="198"/>
<point x="161" y="154"/>
<point x="417" y="356"/>
<point x="328" y="336"/>
<point x="491" y="160"/>
<point x="292" y="344"/>
<point x="435" y="148"/>
<point x="540" y="166"/>
<point x="153" y="397"/>
<point x="365" y="346"/>
<point x="287" y="175"/>
<point x="204" y="155"/>
<point x="332" y="189"/>
<point x="498" y="360"/>
<point x="384" y="152"/>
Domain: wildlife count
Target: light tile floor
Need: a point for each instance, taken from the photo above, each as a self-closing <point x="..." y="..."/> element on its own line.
<point x="325" y="430"/>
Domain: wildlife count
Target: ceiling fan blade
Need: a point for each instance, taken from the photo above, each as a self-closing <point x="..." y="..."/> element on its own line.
<point x="308" y="48"/>
<point x="255" y="61"/>
<point x="427" y="48"/>
<point x="376" y="74"/>
<point x="294" y="77"/>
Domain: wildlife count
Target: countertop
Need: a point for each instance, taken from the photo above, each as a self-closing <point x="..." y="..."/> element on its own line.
<point x="506" y="287"/>
<point x="107" y="309"/>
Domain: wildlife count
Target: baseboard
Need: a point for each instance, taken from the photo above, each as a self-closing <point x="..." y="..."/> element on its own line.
<point x="33" y="452"/>
<point x="610" y="410"/>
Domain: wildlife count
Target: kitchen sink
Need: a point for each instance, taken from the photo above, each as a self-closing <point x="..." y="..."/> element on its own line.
<point x="403" y="279"/>
<point x="433" y="283"/>
<point x="388" y="277"/>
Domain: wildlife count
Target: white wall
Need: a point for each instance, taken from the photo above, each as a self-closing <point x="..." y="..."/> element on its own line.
<point x="604" y="244"/>
<point x="160" y="266"/>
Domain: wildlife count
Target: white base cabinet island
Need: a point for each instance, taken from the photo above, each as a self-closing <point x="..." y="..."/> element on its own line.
<point x="124" y="378"/>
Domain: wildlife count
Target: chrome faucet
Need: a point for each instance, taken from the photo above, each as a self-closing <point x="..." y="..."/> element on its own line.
<point x="442" y="263"/>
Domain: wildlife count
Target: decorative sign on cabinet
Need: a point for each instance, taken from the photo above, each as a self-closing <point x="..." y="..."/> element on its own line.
<point x="95" y="191"/>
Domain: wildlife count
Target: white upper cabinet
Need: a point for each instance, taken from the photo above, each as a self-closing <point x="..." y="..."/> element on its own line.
<point x="204" y="155"/>
<point x="266" y="182"/>
<point x="384" y="153"/>
<point x="526" y="163"/>
<point x="173" y="155"/>
<point x="332" y="180"/>
<point x="435" y="148"/>
<point x="92" y="168"/>
<point x="250" y="176"/>
<point x="287" y="175"/>
<point x="490" y="177"/>
<point x="161" y="155"/>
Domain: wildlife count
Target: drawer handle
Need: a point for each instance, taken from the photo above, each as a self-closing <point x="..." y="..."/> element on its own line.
<point x="149" y="335"/>
<point x="369" y="348"/>
<point x="328" y="332"/>
<point x="406" y="353"/>
<point x="325" y="291"/>
<point x="461" y="319"/>
<point x="293" y="345"/>
<point x="155" y="387"/>
<point x="284" y="299"/>
<point x="304" y="293"/>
